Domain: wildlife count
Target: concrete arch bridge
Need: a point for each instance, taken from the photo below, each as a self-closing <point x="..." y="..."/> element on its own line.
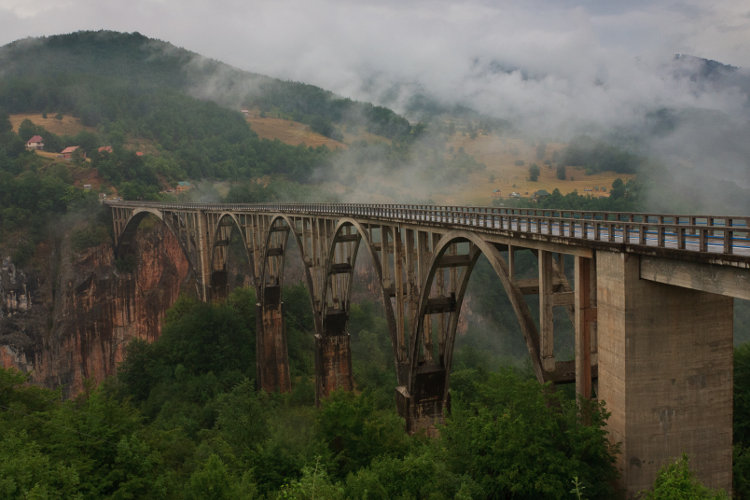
<point x="650" y="297"/>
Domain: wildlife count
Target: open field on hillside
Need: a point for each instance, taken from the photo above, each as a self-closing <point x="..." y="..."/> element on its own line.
<point x="507" y="163"/>
<point x="289" y="132"/>
<point x="508" y="160"/>
<point x="68" y="125"/>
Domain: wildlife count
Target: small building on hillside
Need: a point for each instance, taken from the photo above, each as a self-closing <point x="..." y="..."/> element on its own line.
<point x="67" y="153"/>
<point x="183" y="186"/>
<point x="541" y="194"/>
<point x="35" y="143"/>
<point x="105" y="149"/>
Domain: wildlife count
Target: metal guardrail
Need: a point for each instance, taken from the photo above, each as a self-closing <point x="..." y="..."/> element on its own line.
<point x="727" y="235"/>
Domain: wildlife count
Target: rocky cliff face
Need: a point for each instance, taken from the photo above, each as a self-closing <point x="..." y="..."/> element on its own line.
<point x="72" y="321"/>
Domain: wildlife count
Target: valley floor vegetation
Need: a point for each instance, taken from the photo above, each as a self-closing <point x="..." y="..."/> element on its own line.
<point x="182" y="419"/>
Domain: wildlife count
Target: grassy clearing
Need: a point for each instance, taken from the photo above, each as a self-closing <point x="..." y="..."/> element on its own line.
<point x="289" y="132"/>
<point x="508" y="160"/>
<point x="68" y="125"/>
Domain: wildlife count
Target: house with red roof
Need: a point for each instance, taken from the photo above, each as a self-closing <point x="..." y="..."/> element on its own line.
<point x="67" y="153"/>
<point x="35" y="143"/>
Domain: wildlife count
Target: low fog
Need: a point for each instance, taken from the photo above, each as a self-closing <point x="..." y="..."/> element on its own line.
<point x="633" y="73"/>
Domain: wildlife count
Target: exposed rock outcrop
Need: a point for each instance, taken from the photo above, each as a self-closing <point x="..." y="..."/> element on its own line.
<point x="72" y="321"/>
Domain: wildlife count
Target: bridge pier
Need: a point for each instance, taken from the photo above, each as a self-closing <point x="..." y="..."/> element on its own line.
<point x="271" y="348"/>
<point x="424" y="407"/>
<point x="665" y="373"/>
<point x="333" y="357"/>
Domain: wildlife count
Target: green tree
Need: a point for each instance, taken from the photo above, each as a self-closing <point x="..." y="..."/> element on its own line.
<point x="27" y="472"/>
<point x="355" y="433"/>
<point x="676" y="481"/>
<point x="618" y="189"/>
<point x="314" y="483"/>
<point x="27" y="129"/>
<point x="421" y="474"/>
<point x="519" y="439"/>
<point x="534" y="172"/>
<point x="211" y="481"/>
<point x="86" y="433"/>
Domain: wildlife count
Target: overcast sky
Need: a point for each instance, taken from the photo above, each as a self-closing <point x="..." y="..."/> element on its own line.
<point x="555" y="67"/>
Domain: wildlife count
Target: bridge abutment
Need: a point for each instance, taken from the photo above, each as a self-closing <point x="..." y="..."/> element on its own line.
<point x="665" y="373"/>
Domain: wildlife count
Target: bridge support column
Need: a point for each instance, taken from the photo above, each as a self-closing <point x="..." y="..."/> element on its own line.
<point x="665" y="373"/>
<point x="423" y="406"/>
<point x="333" y="357"/>
<point x="271" y="347"/>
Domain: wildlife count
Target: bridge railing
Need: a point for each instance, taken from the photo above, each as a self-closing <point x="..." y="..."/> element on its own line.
<point x="697" y="233"/>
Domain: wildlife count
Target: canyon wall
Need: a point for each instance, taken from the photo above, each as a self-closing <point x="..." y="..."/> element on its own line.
<point x="71" y="319"/>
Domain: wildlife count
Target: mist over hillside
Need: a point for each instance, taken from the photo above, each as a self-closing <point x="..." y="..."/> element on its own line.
<point x="687" y="117"/>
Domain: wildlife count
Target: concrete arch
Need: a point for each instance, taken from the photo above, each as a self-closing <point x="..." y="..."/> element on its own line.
<point x="261" y="280"/>
<point x="496" y="260"/>
<point x="126" y="239"/>
<point x="271" y="343"/>
<point x="364" y="236"/>
<point x="218" y="240"/>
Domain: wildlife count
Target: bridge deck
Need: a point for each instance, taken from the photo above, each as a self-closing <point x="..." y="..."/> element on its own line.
<point x="723" y="239"/>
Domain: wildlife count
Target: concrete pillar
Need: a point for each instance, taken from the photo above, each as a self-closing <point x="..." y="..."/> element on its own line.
<point x="333" y="357"/>
<point x="204" y="256"/>
<point x="665" y="373"/>
<point x="271" y="348"/>
<point x="423" y="406"/>
<point x="585" y="325"/>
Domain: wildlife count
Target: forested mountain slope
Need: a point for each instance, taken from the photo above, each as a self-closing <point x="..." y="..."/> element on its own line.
<point x="131" y="88"/>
